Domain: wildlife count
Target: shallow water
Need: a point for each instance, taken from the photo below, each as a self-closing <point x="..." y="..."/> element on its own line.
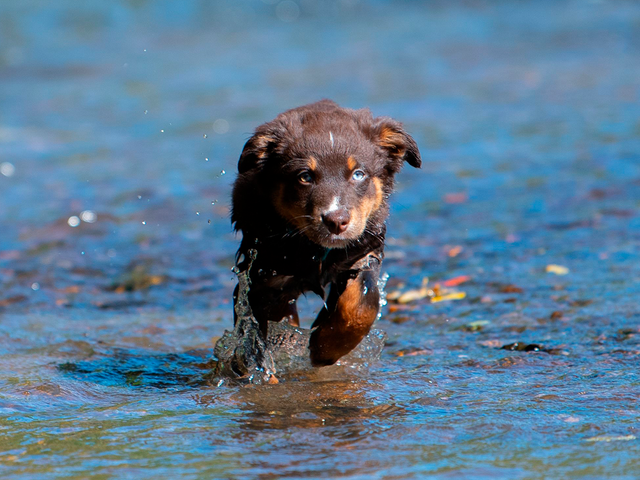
<point x="527" y="118"/>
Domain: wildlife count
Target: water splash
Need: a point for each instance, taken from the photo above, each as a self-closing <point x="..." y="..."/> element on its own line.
<point x="245" y="355"/>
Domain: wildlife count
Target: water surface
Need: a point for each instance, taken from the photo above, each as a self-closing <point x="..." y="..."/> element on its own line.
<point x="126" y="118"/>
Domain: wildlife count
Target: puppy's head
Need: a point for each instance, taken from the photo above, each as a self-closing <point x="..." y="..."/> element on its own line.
<point x="327" y="171"/>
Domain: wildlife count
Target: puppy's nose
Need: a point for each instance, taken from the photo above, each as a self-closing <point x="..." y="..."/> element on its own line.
<point x="337" y="221"/>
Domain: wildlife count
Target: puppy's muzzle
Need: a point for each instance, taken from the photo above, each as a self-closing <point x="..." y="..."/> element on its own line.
<point x="337" y="221"/>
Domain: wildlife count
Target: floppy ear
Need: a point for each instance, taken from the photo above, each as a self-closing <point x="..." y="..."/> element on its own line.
<point x="391" y="137"/>
<point x="255" y="151"/>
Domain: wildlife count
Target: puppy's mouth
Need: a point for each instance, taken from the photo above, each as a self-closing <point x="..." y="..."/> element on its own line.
<point x="318" y="233"/>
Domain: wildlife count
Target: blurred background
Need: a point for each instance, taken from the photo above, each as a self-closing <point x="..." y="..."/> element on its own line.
<point x="121" y="123"/>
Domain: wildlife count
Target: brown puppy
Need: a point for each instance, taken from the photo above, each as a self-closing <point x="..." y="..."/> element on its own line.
<point x="311" y="197"/>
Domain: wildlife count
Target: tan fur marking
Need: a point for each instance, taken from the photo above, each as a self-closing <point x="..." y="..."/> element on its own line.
<point x="369" y="205"/>
<point x="351" y="163"/>
<point x="391" y="139"/>
<point x="261" y="143"/>
<point x="352" y="311"/>
<point x="379" y="193"/>
<point x="312" y="163"/>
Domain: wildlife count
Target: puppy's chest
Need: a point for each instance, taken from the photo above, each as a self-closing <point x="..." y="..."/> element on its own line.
<point x="290" y="268"/>
<point x="302" y="267"/>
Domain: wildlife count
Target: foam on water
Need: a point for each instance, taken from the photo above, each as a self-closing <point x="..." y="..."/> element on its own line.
<point x="244" y="354"/>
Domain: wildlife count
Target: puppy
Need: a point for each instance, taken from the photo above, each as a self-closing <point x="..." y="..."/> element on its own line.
<point x="311" y="196"/>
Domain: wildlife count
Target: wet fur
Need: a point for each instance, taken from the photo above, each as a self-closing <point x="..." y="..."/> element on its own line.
<point x="326" y="232"/>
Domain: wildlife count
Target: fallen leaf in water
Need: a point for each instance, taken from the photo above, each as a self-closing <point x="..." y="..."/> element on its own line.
<point x="455" y="251"/>
<point x="437" y="293"/>
<point x="11" y="300"/>
<point x="71" y="289"/>
<point x="393" y="296"/>
<point x="475" y="326"/>
<point x="398" y="308"/>
<point x="398" y="319"/>
<point x="556" y="315"/>
<point x="457" y="197"/>
<point x="610" y="438"/>
<point x="412" y="352"/>
<point x="416" y="294"/>
<point x="580" y="303"/>
<point x="449" y="296"/>
<point x="137" y="278"/>
<point x="511" y="289"/>
<point x="455" y="281"/>
<point x="413" y="295"/>
<point x="557" y="269"/>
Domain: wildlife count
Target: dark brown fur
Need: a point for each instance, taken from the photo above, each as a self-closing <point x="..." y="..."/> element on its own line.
<point x="311" y="197"/>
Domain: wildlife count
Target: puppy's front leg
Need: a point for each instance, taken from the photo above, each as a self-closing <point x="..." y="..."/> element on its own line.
<point x="351" y="309"/>
<point x="268" y="304"/>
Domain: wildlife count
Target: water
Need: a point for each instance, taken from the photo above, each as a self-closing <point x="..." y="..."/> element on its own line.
<point x="526" y="114"/>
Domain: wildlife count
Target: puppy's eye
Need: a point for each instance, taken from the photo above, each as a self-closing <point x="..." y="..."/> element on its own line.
<point x="358" y="175"/>
<point x="305" y="177"/>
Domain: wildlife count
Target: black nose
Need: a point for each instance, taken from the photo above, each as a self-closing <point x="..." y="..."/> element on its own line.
<point x="337" y="221"/>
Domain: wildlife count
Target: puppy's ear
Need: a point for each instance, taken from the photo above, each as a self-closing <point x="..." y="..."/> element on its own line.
<point x="391" y="137"/>
<point x="256" y="150"/>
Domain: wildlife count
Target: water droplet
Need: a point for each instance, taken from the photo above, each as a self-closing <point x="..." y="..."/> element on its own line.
<point x="139" y="197"/>
<point x="144" y="223"/>
<point x="81" y="253"/>
<point x="88" y="216"/>
<point x="209" y="221"/>
<point x="197" y="213"/>
<point x="222" y="172"/>
<point x="145" y="50"/>
<point x="146" y="111"/>
<point x="73" y="221"/>
<point x="206" y="159"/>
<point x="161" y="131"/>
<point x="204" y="136"/>
<point x="35" y="286"/>
<point x="292" y="301"/>
<point x="221" y="126"/>
<point x="7" y="169"/>
<point x="214" y="202"/>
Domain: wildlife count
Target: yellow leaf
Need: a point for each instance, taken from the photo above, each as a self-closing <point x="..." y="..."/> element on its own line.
<point x="449" y="296"/>
<point x="413" y="295"/>
<point x="557" y="269"/>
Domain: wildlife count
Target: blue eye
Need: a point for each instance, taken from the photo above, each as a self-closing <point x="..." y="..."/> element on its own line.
<point x="305" y="177"/>
<point x="358" y="175"/>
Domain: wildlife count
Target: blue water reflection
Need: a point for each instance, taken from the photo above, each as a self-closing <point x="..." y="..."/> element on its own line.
<point x="526" y="114"/>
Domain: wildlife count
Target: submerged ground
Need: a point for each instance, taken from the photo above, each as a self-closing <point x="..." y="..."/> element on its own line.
<point x="120" y="126"/>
